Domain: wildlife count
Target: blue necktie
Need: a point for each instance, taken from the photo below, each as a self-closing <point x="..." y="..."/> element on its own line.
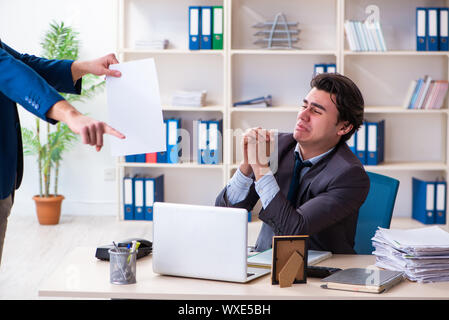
<point x="266" y="232"/>
<point x="294" y="184"/>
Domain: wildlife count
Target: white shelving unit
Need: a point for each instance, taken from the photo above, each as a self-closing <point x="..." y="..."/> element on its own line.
<point x="416" y="141"/>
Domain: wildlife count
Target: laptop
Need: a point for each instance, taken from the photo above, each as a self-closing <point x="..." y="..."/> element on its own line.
<point x="202" y="242"/>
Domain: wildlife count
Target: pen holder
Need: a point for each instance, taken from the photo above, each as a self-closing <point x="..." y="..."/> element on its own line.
<point x="122" y="266"/>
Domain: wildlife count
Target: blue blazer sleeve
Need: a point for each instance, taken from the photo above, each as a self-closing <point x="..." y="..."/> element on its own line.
<point x="34" y="82"/>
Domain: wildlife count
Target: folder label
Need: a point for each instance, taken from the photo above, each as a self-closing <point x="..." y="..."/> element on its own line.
<point x="194" y="13"/>
<point x="320" y="68"/>
<point x="205" y="24"/>
<point x="138" y="198"/>
<point x="128" y="186"/>
<point x="202" y="135"/>
<point x="432" y="23"/>
<point x="361" y="138"/>
<point x="440" y="203"/>
<point x="421" y="23"/>
<point x="213" y="136"/>
<point x="173" y="149"/>
<point x="218" y="18"/>
<point x="139" y="193"/>
<point x="372" y="138"/>
<point x="331" y="68"/>
<point x="149" y="193"/>
<point x="441" y="194"/>
<point x="433" y="30"/>
<point x="430" y="199"/>
<point x="361" y="144"/>
<point x="128" y="198"/>
<point x="172" y="132"/>
<point x="443" y="29"/>
<point x="444" y="23"/>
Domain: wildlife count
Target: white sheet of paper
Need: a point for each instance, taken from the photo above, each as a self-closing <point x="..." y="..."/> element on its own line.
<point x="134" y="107"/>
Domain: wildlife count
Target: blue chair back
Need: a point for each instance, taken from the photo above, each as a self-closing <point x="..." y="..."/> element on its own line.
<point x="376" y="211"/>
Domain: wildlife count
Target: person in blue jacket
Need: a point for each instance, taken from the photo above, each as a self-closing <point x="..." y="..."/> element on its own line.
<point x="34" y="82"/>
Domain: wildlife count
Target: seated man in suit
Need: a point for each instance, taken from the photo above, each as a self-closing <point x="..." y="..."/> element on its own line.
<point x="313" y="184"/>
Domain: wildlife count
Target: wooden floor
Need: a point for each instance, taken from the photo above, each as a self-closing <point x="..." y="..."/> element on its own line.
<point x="32" y="251"/>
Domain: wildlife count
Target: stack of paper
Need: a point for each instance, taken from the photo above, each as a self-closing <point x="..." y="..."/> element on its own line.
<point x="189" y="98"/>
<point x="422" y="254"/>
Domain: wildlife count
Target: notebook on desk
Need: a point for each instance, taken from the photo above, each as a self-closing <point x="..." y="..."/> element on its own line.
<point x="264" y="259"/>
<point x="202" y="242"/>
<point x="363" y="280"/>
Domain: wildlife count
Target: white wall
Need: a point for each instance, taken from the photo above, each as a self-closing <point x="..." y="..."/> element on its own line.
<point x="22" y="26"/>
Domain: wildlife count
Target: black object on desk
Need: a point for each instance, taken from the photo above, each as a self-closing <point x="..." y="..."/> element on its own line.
<point x="145" y="248"/>
<point x="320" y="272"/>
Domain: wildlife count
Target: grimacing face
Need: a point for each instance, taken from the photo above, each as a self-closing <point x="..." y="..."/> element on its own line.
<point x="317" y="121"/>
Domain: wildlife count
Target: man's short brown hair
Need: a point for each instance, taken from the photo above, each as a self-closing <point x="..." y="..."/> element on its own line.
<point x="348" y="98"/>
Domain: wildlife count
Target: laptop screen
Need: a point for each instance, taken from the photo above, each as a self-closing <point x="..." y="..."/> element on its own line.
<point x="200" y="241"/>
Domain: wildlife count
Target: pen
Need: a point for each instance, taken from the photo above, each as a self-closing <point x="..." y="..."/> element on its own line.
<point x="116" y="248"/>
<point x="118" y="265"/>
<point x="134" y="247"/>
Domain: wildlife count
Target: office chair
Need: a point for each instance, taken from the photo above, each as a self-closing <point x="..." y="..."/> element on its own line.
<point x="376" y="211"/>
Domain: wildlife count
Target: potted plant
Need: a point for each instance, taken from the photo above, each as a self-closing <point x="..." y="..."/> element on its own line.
<point x="60" y="42"/>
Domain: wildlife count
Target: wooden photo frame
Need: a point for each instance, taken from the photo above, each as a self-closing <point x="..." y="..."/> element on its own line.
<point x="289" y="260"/>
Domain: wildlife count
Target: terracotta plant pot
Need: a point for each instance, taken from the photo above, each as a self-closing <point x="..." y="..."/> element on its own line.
<point x="48" y="209"/>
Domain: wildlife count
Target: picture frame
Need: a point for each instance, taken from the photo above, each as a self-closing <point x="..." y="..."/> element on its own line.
<point x="289" y="263"/>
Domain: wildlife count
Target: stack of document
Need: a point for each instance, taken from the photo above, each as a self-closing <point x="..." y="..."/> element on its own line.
<point x="189" y="98"/>
<point x="152" y="44"/>
<point x="422" y="253"/>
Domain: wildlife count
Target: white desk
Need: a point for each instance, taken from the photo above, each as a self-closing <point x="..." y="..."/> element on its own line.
<point x="81" y="275"/>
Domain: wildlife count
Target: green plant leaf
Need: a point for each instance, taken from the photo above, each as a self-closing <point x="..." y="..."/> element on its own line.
<point x="31" y="143"/>
<point x="61" y="140"/>
<point x="59" y="42"/>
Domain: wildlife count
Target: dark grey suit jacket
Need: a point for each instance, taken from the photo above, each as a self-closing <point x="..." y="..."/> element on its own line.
<point x="329" y="198"/>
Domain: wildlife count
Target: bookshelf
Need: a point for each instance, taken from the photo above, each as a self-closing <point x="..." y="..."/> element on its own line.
<point x="416" y="141"/>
